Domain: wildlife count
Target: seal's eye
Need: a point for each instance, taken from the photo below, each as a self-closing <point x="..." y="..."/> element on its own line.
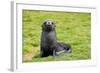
<point x="52" y="22"/>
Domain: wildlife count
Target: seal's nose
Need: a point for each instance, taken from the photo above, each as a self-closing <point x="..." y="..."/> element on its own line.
<point x="48" y="23"/>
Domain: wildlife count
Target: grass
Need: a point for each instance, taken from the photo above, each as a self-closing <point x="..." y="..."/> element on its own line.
<point x="71" y="27"/>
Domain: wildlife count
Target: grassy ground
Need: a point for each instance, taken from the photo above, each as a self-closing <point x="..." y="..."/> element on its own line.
<point x="71" y="27"/>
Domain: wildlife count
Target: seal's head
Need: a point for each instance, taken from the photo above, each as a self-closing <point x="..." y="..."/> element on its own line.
<point x="48" y="25"/>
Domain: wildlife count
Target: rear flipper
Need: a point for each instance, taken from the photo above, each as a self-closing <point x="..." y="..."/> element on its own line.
<point x="68" y="50"/>
<point x="66" y="47"/>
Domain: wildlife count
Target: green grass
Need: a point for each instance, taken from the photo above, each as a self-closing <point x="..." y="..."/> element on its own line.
<point x="71" y="27"/>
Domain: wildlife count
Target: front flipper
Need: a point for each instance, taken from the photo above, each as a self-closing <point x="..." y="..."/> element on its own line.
<point x="54" y="53"/>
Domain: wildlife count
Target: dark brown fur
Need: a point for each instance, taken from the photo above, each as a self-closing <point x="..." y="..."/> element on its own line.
<point x="49" y="44"/>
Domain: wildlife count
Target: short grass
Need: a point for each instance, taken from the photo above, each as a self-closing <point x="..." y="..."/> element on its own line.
<point x="71" y="27"/>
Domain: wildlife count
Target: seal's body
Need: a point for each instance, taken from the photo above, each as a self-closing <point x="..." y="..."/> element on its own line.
<point x="49" y="44"/>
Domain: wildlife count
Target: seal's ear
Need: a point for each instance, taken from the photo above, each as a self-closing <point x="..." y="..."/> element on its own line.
<point x="54" y="24"/>
<point x="43" y="25"/>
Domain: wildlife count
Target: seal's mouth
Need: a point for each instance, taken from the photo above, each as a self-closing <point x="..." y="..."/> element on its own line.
<point x="48" y="28"/>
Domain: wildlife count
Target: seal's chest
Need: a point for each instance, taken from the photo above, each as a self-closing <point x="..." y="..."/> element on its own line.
<point x="51" y="36"/>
